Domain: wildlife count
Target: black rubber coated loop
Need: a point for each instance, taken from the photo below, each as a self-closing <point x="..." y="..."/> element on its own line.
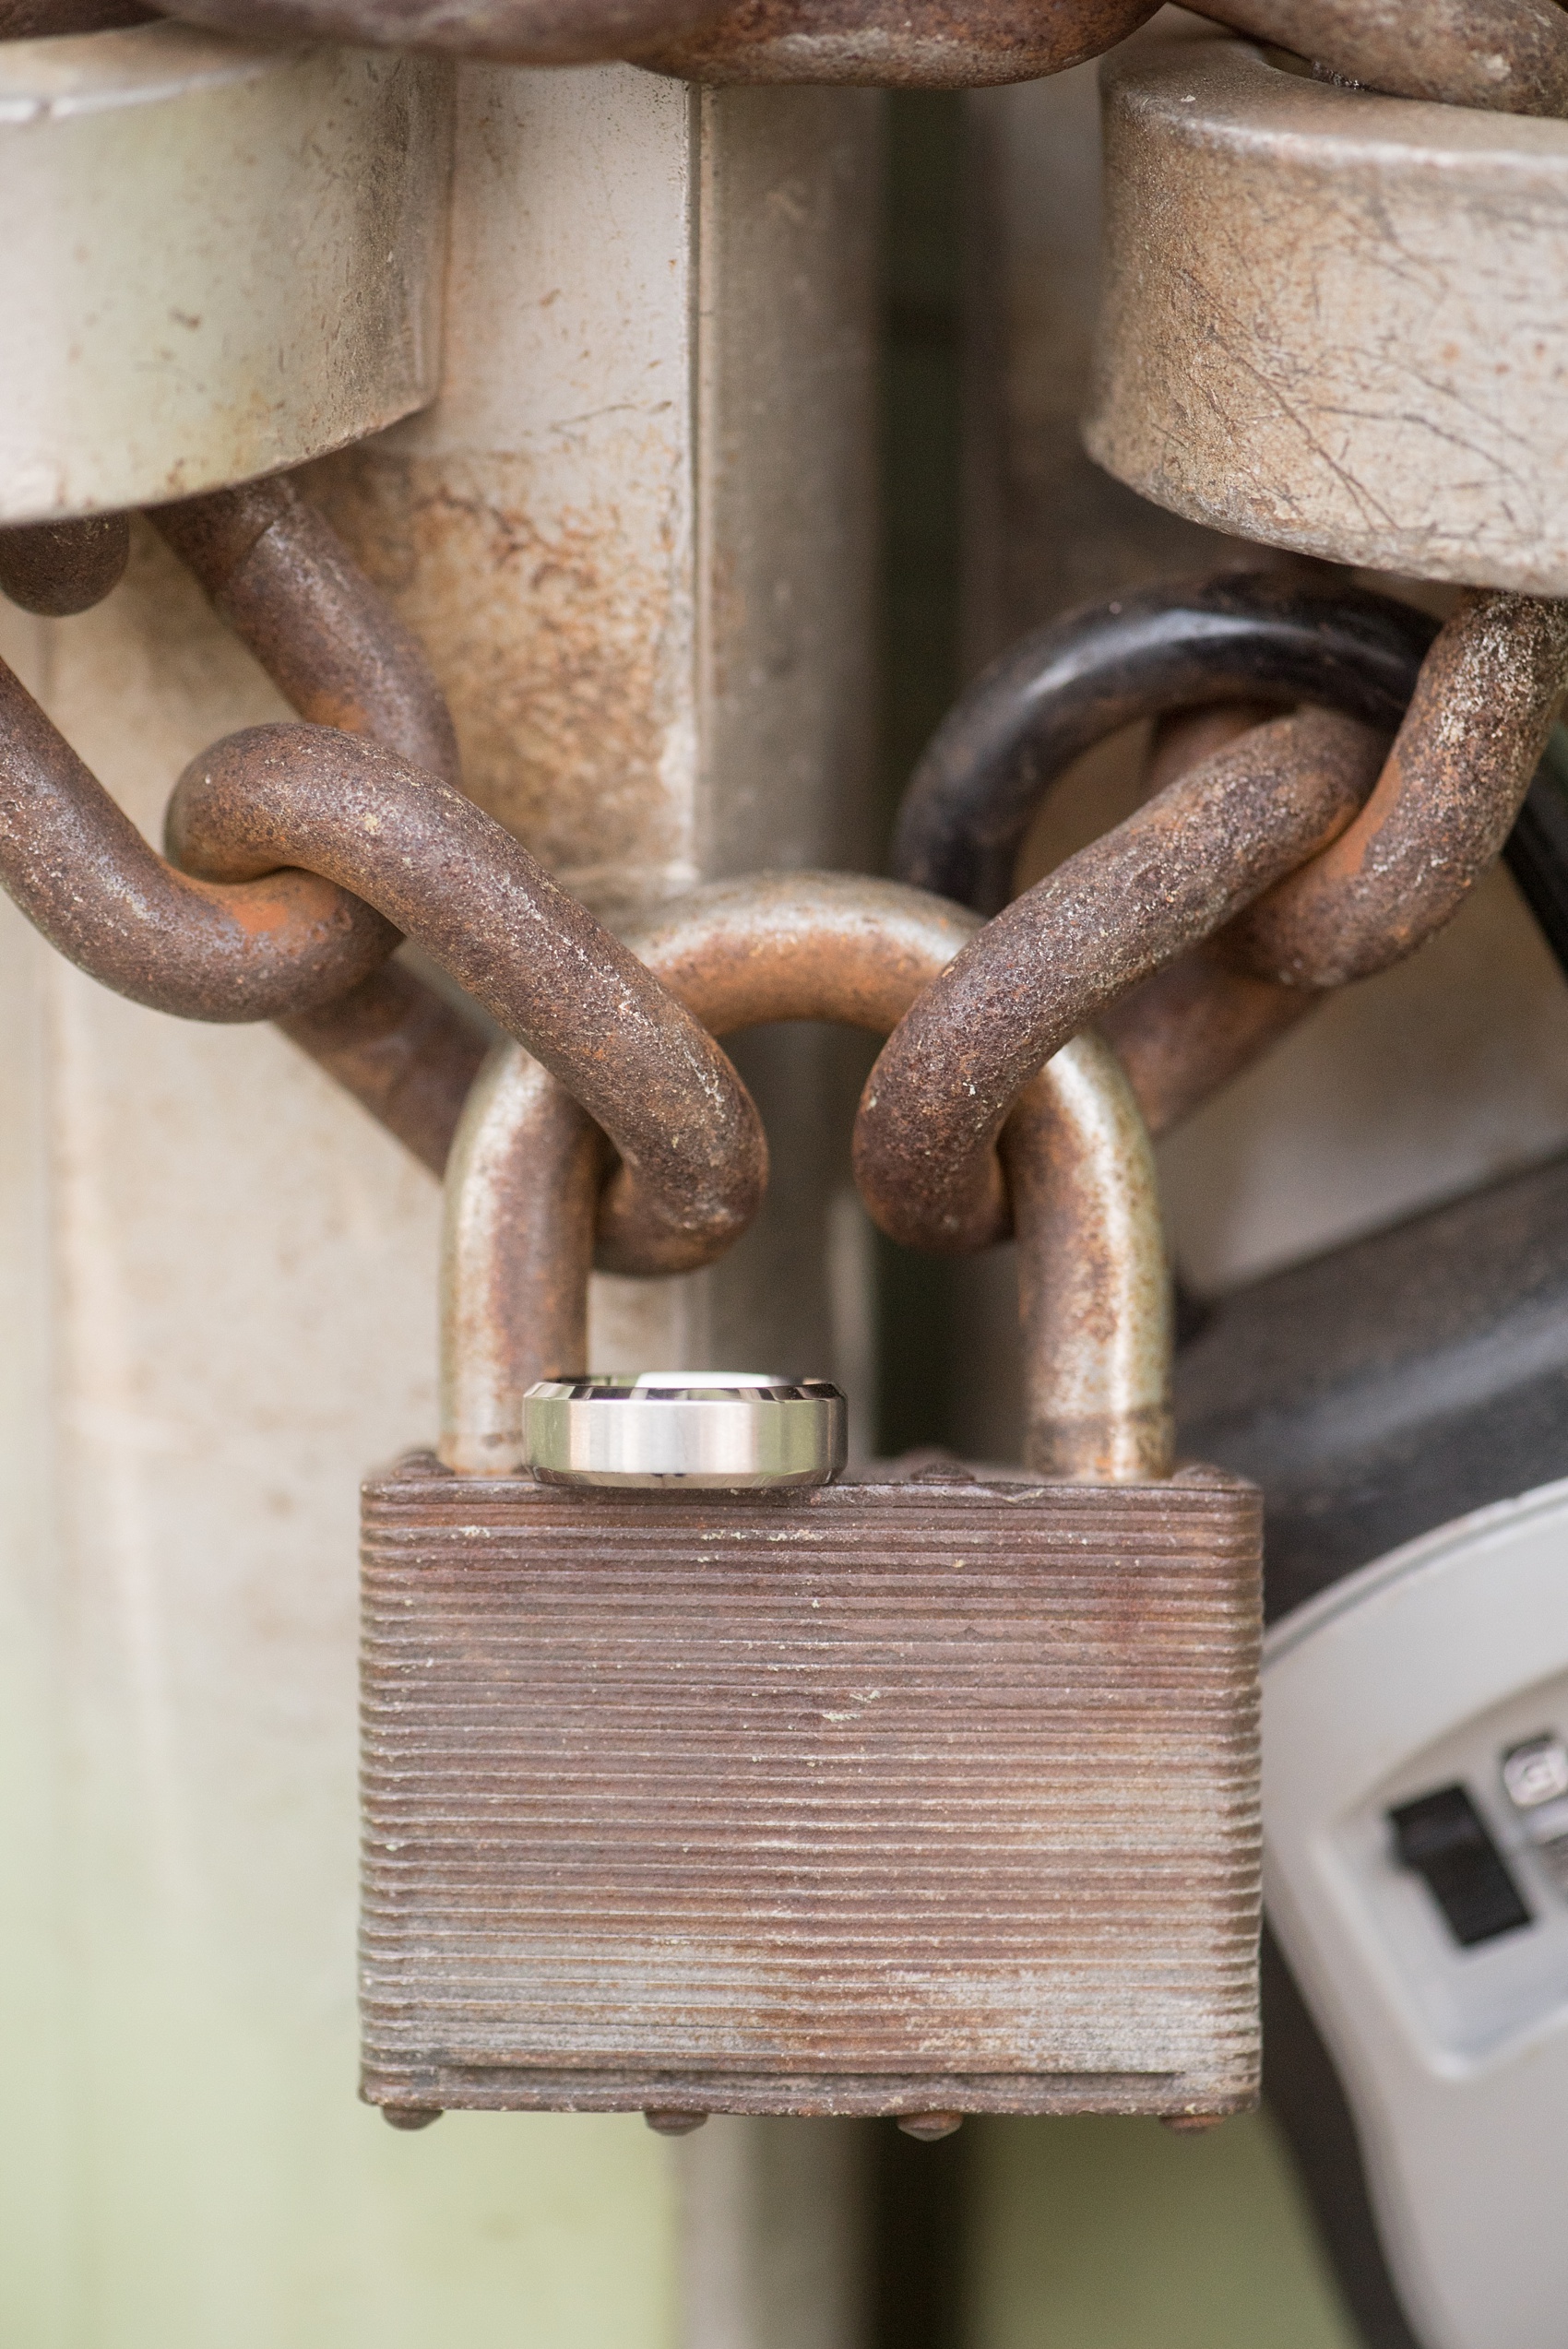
<point x="1185" y="644"/>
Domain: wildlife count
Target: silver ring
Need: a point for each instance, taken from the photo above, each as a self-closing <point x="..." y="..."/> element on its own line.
<point x="726" y="1431"/>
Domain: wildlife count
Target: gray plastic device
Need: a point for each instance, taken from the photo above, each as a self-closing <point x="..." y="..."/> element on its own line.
<point x="1416" y="1877"/>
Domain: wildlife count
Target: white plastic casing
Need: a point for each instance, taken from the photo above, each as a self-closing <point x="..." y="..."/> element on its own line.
<point x="1422" y="1671"/>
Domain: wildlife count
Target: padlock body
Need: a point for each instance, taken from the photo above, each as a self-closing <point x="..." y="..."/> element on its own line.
<point x="889" y="1797"/>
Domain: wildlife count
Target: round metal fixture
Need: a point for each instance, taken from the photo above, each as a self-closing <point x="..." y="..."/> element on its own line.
<point x="720" y="1429"/>
<point x="1327" y="322"/>
<point x="232" y="259"/>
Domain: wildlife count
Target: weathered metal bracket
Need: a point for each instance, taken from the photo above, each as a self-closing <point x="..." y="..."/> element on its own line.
<point x="231" y="262"/>
<point x="1325" y="322"/>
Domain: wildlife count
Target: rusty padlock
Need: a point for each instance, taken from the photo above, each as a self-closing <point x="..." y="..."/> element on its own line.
<point x="915" y="1795"/>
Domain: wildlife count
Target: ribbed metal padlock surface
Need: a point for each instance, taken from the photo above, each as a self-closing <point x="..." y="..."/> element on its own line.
<point x="891" y="1795"/>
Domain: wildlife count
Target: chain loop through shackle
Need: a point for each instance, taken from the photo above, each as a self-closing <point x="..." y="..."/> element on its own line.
<point x="1184" y="868"/>
<point x="526" y="1166"/>
<point x="1278" y="796"/>
<point x="278" y="575"/>
<point x="1210" y="659"/>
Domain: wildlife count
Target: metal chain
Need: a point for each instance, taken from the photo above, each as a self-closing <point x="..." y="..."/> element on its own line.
<point x="293" y="595"/>
<point x="1300" y="857"/>
<point x="1249" y="640"/>
<point x="1510" y="56"/>
<point x="1375" y="883"/>
<point x="301" y="854"/>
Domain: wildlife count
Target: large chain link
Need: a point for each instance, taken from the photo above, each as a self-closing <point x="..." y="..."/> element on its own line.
<point x="300" y="855"/>
<point x="1508" y="55"/>
<point x="1301" y="856"/>
<point x="1374" y="880"/>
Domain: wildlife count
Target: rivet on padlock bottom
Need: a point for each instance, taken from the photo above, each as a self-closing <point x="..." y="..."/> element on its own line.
<point x="912" y="1797"/>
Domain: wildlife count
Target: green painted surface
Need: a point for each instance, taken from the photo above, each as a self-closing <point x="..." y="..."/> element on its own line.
<point x="186" y="2165"/>
<point x="1119" y="2235"/>
<point x="184" y="2161"/>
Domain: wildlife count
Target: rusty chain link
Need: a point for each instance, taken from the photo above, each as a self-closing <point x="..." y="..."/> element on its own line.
<point x="1301" y="855"/>
<point x="291" y="593"/>
<point x="284" y="582"/>
<point x="1184" y="1033"/>
<point x="1211" y="658"/>
<point x="1509" y="56"/>
<point x="303" y="853"/>
<point x="1178" y="645"/>
<point x="1376" y="878"/>
<point x="58" y="568"/>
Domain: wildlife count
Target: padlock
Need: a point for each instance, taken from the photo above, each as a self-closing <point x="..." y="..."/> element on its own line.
<point x="689" y="1791"/>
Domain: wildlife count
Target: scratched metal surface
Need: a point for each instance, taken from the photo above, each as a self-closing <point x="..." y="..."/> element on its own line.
<point x="910" y="1794"/>
<point x="1322" y="324"/>
<point x="222" y="259"/>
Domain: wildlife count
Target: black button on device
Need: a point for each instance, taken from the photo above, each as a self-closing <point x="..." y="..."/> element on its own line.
<point x="1443" y="1837"/>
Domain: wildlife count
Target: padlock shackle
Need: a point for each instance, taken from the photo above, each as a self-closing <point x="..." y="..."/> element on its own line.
<point x="524" y="1175"/>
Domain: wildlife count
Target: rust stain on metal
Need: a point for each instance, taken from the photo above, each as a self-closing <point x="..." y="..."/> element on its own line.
<point x="289" y="943"/>
<point x="1052" y="962"/>
<point x="83" y="876"/>
<point x="899" y="1799"/>
<point x="232" y="930"/>
<point x="553" y="671"/>
<point x="1443" y="809"/>
<point x="288" y="587"/>
<point x="1373" y="883"/>
<point x="331" y="643"/>
<point x="1156" y="650"/>
<point x="1192" y="1026"/>
<point x="694" y="1159"/>
<point x="1094" y="1282"/>
<point x="523" y="1181"/>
